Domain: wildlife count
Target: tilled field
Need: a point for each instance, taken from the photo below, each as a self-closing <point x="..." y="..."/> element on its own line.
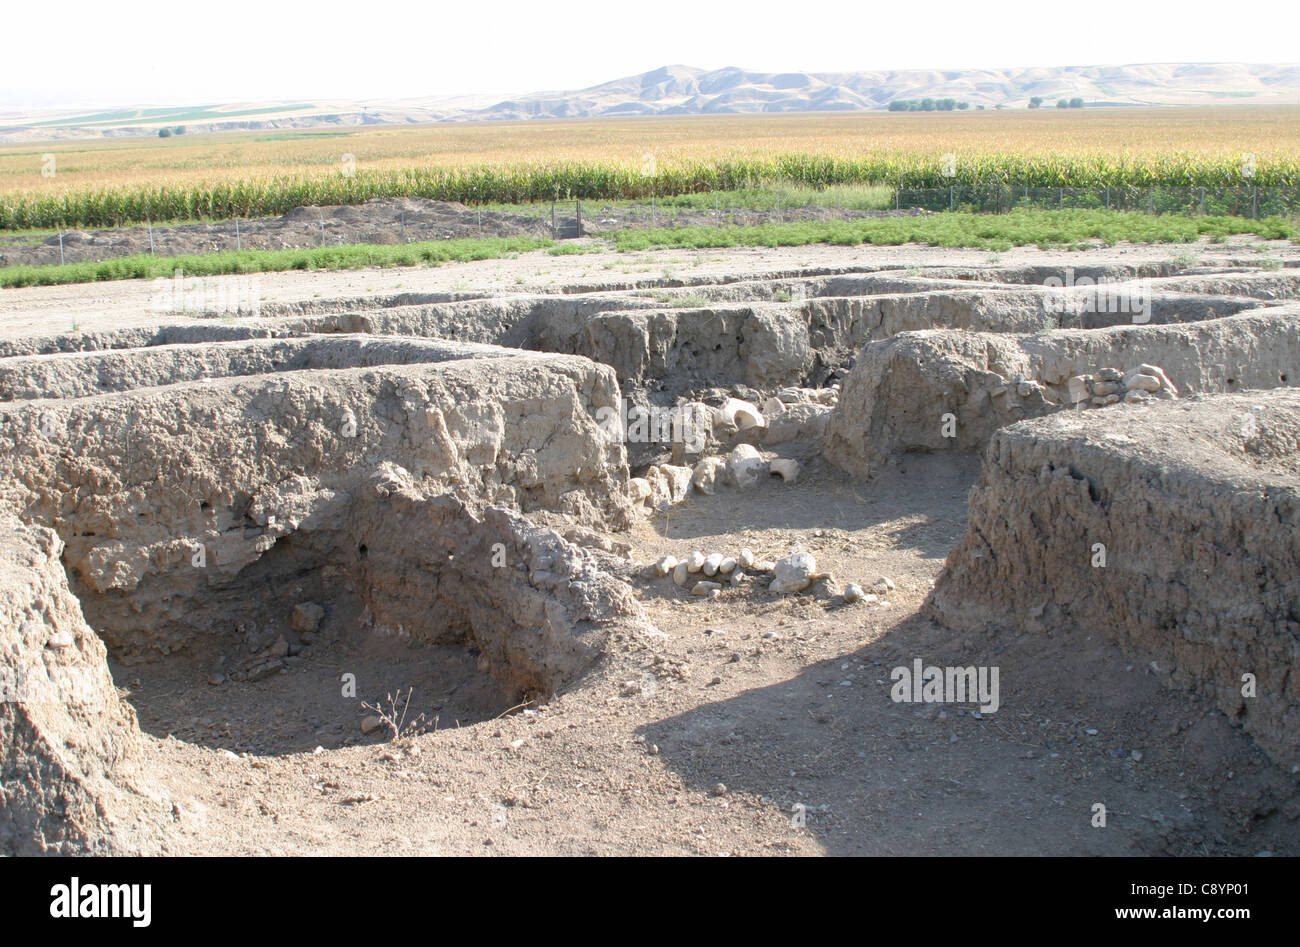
<point x="635" y="561"/>
<point x="386" y="221"/>
<point x="379" y="221"/>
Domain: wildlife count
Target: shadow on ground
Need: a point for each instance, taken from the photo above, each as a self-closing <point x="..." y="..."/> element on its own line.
<point x="1079" y="724"/>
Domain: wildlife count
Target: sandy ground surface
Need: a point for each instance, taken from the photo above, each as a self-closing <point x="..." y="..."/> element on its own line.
<point x="760" y="725"/>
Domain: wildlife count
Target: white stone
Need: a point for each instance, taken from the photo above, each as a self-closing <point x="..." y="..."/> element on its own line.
<point x="794" y="573"/>
<point x="1078" y="387"/>
<point x="742" y="414"/>
<point x="705" y="587"/>
<point x="680" y="573"/>
<point x="695" y="562"/>
<point x="638" y="489"/>
<point x="711" y="563"/>
<point x="727" y="566"/>
<point x="746" y="558"/>
<point x="745" y="466"/>
<point x="773" y="406"/>
<point x="853" y="593"/>
<point x="665" y="564"/>
<point x="1153" y="371"/>
<point x="708" y="473"/>
<point x="678" y="480"/>
<point x="883" y="585"/>
<point x="785" y="468"/>
<point x="1143" y="382"/>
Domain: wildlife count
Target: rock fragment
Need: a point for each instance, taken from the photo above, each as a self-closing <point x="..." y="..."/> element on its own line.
<point x="306" y="617"/>
<point x="742" y="414"/>
<point x="785" y="468"/>
<point x="709" y="474"/>
<point x="745" y="466"/>
<point x="794" y="573"/>
<point x="664" y="565"/>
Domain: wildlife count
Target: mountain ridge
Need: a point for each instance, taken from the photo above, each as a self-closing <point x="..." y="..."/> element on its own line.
<point x="689" y="90"/>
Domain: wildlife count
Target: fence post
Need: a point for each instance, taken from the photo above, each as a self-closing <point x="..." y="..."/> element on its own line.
<point x="150" y="237"/>
<point x="951" y="199"/>
<point x="1202" y="201"/>
<point x="322" y="231"/>
<point x="60" y="246"/>
<point x="898" y="198"/>
<point x="578" y="205"/>
<point x="1108" y="197"/>
<point x="1254" y="202"/>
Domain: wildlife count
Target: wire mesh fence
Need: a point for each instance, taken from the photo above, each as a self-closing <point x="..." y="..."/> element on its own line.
<point x="567" y="219"/>
<point x="1243" y="201"/>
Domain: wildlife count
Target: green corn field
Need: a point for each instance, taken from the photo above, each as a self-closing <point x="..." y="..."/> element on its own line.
<point x="275" y="195"/>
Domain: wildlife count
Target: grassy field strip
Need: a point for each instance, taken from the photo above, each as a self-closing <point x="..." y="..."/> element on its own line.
<point x="353" y="256"/>
<point x="1070" y="229"/>
<point x="1044" y="228"/>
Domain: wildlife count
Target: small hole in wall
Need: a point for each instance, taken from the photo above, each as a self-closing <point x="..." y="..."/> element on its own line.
<point x="362" y="550"/>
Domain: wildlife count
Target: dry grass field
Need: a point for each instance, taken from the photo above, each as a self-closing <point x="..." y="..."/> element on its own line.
<point x="1270" y="133"/>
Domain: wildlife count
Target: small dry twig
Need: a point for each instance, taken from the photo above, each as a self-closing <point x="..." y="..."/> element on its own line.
<point x="394" y="718"/>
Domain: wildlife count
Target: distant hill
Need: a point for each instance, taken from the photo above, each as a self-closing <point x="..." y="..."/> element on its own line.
<point x="686" y="90"/>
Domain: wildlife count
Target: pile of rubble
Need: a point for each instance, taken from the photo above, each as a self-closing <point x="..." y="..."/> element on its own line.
<point x="1110" y="386"/>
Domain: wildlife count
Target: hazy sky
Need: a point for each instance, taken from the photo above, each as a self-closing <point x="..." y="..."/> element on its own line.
<point x="140" y="52"/>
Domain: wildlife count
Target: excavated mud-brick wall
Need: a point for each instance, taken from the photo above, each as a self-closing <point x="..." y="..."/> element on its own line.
<point x="1176" y="531"/>
<point x="141" y="483"/>
<point x="67" y="737"/>
<point x="949" y="390"/>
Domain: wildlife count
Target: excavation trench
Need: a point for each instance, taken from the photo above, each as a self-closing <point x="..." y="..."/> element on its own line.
<point x="268" y="524"/>
<point x="447" y="611"/>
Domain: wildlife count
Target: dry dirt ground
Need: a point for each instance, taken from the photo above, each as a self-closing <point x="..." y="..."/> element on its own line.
<point x="102" y="306"/>
<point x="378" y="221"/>
<point x="760" y="725"/>
<point x="757" y="706"/>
